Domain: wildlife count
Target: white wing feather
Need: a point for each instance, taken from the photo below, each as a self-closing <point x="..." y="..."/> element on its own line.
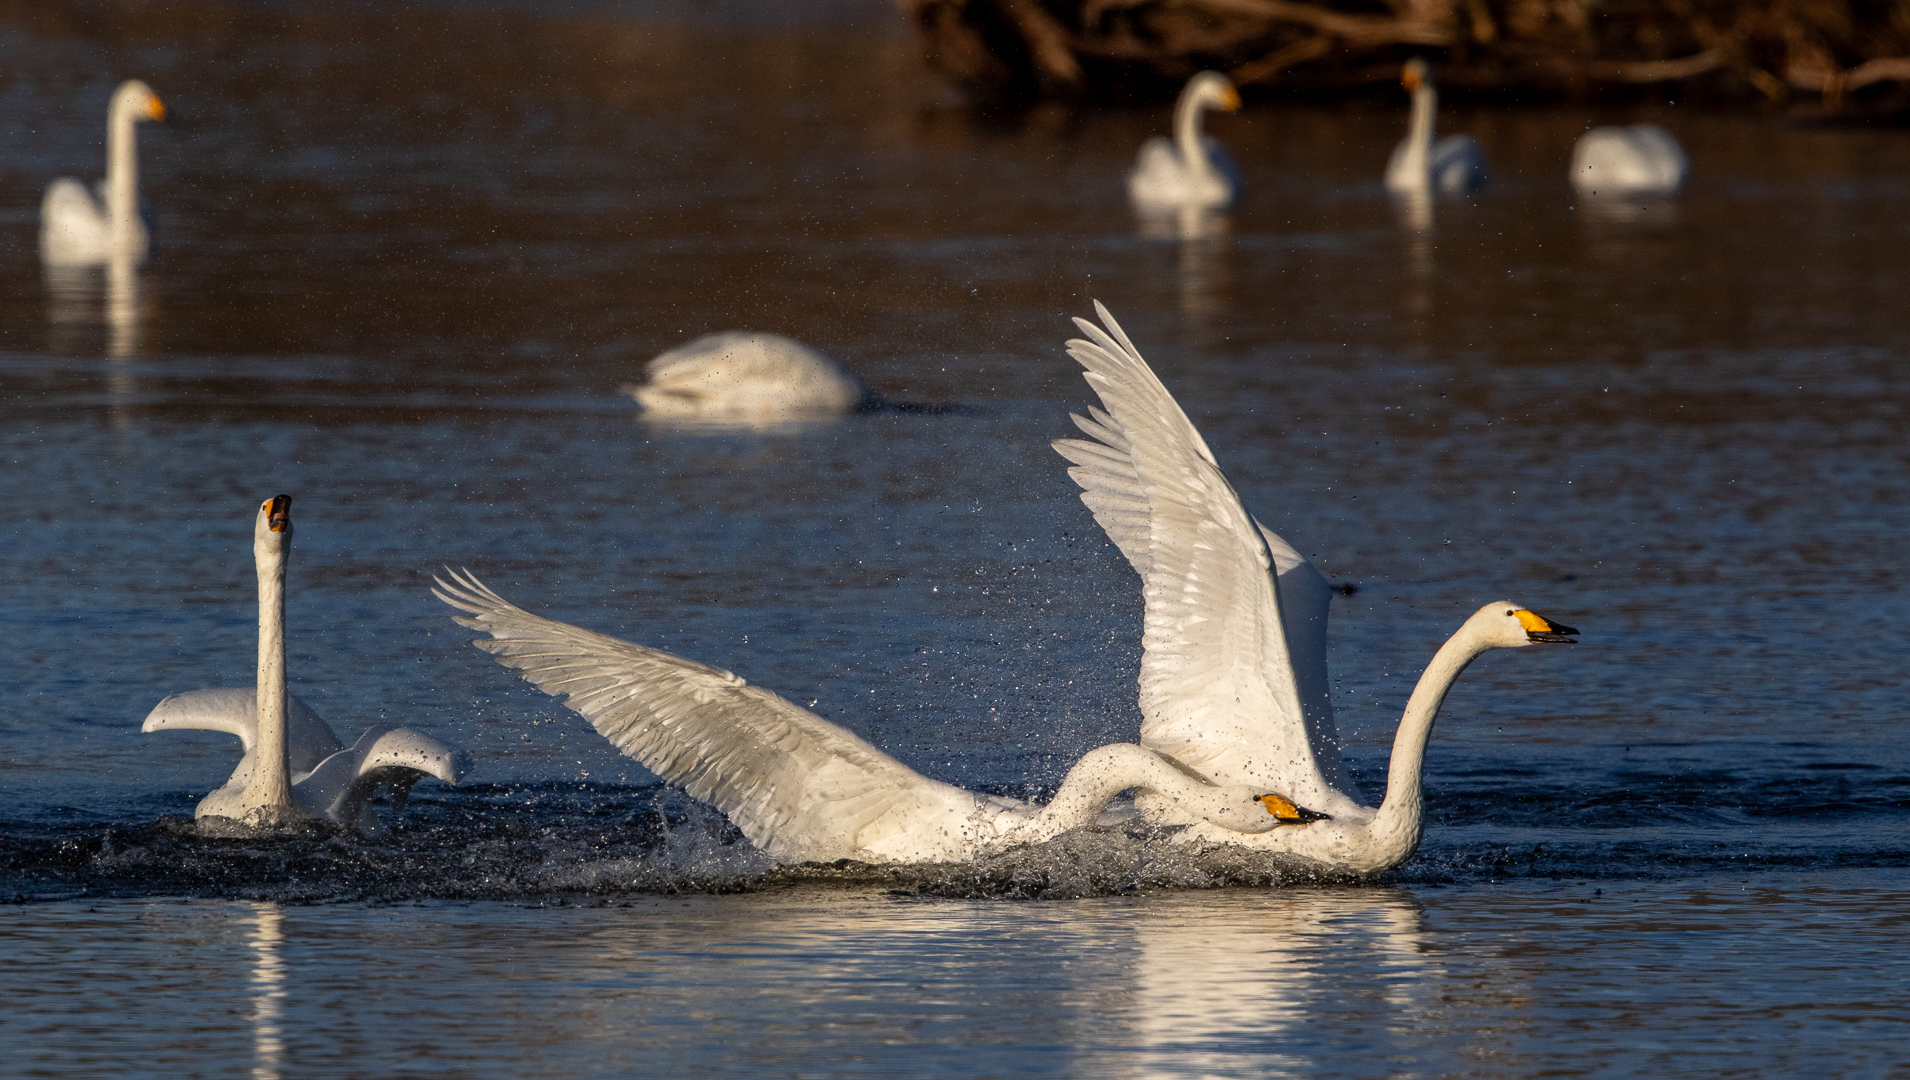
<point x="1218" y="687"/>
<point x="798" y="786"/>
<point x="234" y="710"/>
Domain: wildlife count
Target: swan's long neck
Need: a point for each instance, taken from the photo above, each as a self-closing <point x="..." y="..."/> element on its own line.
<point x="1419" y="133"/>
<point x="1397" y="827"/>
<point x="271" y="784"/>
<point x="122" y="172"/>
<point x="1193" y="148"/>
<point x="1100" y="775"/>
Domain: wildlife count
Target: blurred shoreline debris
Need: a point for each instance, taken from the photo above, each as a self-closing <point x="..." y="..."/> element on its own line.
<point x="1753" y="51"/>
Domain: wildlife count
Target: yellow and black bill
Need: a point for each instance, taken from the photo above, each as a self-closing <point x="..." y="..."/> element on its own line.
<point x="1540" y="629"/>
<point x="1289" y="814"/>
<point x="278" y="513"/>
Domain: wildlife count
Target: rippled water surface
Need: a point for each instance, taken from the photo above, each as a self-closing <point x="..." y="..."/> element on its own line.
<point x="404" y="256"/>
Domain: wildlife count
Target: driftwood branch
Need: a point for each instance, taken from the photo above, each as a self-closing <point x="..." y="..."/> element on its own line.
<point x="1007" y="50"/>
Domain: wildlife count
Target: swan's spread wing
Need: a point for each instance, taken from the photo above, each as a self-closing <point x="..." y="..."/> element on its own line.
<point x="800" y="787"/>
<point x="1218" y="689"/>
<point x="1305" y="598"/>
<point x="234" y="710"/>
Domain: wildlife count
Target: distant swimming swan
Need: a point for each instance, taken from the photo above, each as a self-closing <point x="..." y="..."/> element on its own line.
<point x="800" y="787"/>
<point x="745" y="376"/>
<point x="294" y="766"/>
<point x="1192" y="170"/>
<point x="76" y="228"/>
<point x="1639" y="159"/>
<point x="1453" y="165"/>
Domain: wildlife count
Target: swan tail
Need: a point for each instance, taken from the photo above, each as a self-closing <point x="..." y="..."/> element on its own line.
<point x="797" y="785"/>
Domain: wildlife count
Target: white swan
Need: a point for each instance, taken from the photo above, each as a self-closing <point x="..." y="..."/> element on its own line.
<point x="1233" y="681"/>
<point x="294" y="766"/>
<point x="1638" y="159"/>
<point x="75" y="227"/>
<point x="1453" y="165"/>
<point x="743" y="376"/>
<point x="800" y="787"/>
<point x="1192" y="170"/>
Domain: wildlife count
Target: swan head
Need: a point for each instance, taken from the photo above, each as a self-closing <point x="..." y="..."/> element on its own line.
<point x="1212" y="90"/>
<point x="1506" y="625"/>
<point x="272" y="532"/>
<point x="1414" y="75"/>
<point x="1242" y="809"/>
<point x="136" y="99"/>
<point x="1286" y="813"/>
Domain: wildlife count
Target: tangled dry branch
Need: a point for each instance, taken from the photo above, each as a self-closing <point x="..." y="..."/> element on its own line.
<point x="1029" y="49"/>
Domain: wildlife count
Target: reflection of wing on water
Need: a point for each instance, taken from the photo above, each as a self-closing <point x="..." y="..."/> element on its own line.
<point x="1226" y="984"/>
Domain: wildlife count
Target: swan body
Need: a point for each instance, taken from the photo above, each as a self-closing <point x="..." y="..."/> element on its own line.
<point x="328" y="779"/>
<point x="78" y="229"/>
<point x="294" y="766"/>
<point x="1638" y="159"/>
<point x="804" y="789"/>
<point x="1419" y="165"/>
<point x="1191" y="170"/>
<point x="1233" y="681"/>
<point x="747" y="376"/>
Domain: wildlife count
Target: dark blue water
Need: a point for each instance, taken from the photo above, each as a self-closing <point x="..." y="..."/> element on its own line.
<point x="402" y="280"/>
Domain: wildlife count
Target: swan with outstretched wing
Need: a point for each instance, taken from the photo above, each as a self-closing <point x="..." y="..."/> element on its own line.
<point x="1233" y="681"/>
<point x="804" y="789"/>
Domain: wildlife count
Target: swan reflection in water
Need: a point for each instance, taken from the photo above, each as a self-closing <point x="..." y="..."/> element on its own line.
<point x="1415" y="213"/>
<point x="1231" y="985"/>
<point x="84" y="299"/>
<point x="1202" y="272"/>
<point x="268" y="991"/>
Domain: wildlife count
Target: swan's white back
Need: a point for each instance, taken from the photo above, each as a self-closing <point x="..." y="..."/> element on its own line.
<point x="1636" y="159"/>
<point x="743" y="375"/>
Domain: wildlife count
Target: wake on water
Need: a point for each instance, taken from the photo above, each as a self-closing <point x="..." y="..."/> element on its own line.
<point x="585" y="843"/>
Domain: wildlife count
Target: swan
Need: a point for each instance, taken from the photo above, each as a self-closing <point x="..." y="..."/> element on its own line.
<point x="1638" y="159"/>
<point x="1233" y="681"/>
<point x="744" y="376"/>
<point x="801" y="788"/>
<point x="77" y="228"/>
<point x="1453" y="165"/>
<point x="1192" y="170"/>
<point x="294" y="766"/>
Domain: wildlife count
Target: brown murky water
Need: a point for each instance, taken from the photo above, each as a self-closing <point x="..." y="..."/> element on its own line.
<point x="403" y="256"/>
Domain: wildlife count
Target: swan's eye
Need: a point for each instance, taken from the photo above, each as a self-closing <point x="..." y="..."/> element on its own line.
<point x="1509" y="613"/>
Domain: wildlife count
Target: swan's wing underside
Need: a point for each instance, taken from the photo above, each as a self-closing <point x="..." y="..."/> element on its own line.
<point x="798" y="786"/>
<point x="1219" y="691"/>
<point x="234" y="710"/>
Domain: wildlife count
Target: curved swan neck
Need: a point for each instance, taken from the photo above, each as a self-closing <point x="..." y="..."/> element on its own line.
<point x="1100" y="775"/>
<point x="271" y="783"/>
<point x="1419" y="134"/>
<point x="1399" y="820"/>
<point x="122" y="168"/>
<point x="1193" y="148"/>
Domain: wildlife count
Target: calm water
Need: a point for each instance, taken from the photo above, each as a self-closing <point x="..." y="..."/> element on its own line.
<point x="404" y="256"/>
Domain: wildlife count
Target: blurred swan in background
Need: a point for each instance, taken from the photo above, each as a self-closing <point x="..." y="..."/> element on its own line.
<point x="1233" y="681"/>
<point x="76" y="227"/>
<point x="1453" y="165"/>
<point x="1637" y="159"/>
<point x="1192" y="170"/>
<point x="804" y="789"/>
<point x="294" y="766"/>
<point x="744" y="376"/>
